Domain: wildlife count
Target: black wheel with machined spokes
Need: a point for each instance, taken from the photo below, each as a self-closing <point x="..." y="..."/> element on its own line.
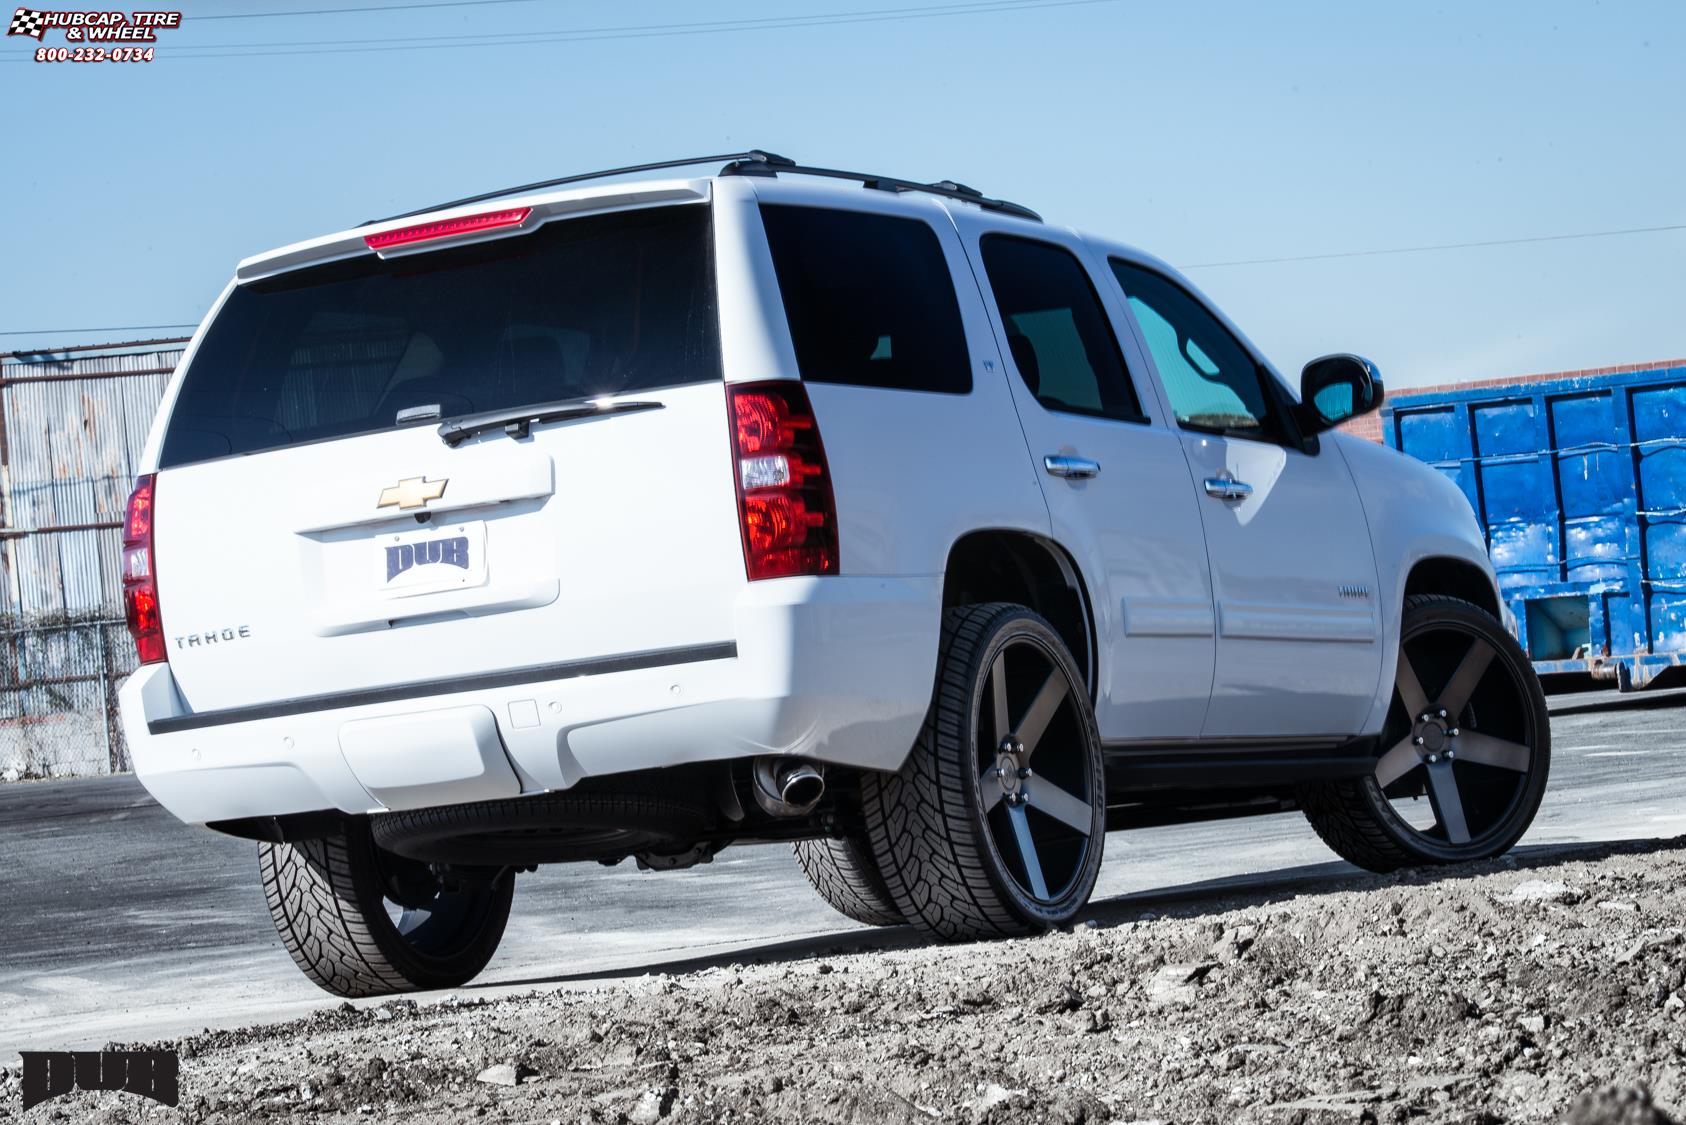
<point x="996" y="822"/>
<point x="1466" y="750"/>
<point x="1035" y="782"/>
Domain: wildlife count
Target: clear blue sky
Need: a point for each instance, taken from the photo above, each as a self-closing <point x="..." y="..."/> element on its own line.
<point x="1203" y="132"/>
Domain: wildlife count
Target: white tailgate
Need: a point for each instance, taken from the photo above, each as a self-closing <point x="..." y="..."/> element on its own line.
<point x="279" y="577"/>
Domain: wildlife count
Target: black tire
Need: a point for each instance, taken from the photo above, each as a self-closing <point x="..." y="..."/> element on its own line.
<point x="844" y="873"/>
<point x="1504" y="706"/>
<point x="328" y="900"/>
<point x="937" y="832"/>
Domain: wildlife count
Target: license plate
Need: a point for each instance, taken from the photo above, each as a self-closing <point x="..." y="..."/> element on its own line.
<point x="431" y="559"/>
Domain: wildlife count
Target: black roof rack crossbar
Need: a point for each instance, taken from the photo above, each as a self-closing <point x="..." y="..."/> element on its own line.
<point x="754" y="162"/>
<point x="749" y="166"/>
<point x="767" y="159"/>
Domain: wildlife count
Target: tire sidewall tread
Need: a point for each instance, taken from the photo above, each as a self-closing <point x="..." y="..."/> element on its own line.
<point x="842" y="870"/>
<point x="326" y="899"/>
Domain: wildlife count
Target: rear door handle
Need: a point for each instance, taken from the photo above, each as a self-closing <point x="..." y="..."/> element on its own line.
<point x="1071" y="468"/>
<point x="1228" y="489"/>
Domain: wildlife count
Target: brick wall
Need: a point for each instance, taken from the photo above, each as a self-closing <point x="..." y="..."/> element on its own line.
<point x="1368" y="427"/>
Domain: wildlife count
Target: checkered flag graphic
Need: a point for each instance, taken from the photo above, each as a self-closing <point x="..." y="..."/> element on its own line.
<point x="27" y="21"/>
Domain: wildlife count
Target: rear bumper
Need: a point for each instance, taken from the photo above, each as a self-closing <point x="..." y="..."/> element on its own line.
<point x="838" y="670"/>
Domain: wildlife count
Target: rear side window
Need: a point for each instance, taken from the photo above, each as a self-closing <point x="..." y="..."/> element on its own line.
<point x="1057" y="330"/>
<point x="581" y="307"/>
<point x="869" y="299"/>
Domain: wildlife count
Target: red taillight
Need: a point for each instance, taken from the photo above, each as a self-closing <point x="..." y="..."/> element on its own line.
<point x="447" y="228"/>
<point x="785" y="504"/>
<point x="140" y="579"/>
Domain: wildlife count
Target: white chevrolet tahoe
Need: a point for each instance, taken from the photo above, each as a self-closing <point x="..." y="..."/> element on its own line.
<point x="589" y="521"/>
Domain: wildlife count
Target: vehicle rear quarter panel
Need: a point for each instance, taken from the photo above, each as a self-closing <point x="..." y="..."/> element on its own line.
<point x="1414" y="513"/>
<point x="912" y="471"/>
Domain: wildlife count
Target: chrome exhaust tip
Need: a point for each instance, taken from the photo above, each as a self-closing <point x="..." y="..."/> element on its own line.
<point x="787" y="786"/>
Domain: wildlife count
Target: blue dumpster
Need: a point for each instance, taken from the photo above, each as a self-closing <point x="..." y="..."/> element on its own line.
<point x="1580" y="485"/>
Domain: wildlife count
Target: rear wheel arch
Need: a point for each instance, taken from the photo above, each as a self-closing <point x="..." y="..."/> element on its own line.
<point x="1002" y="565"/>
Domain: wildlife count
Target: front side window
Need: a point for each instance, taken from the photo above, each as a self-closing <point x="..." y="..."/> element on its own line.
<point x="868" y="298"/>
<point x="1212" y="381"/>
<point x="597" y="305"/>
<point x="1057" y="330"/>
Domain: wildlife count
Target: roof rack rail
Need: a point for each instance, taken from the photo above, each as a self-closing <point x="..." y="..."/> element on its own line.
<point x="754" y="162"/>
<point x="749" y="166"/>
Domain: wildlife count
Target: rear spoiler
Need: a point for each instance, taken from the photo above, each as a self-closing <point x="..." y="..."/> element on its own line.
<point x="354" y="243"/>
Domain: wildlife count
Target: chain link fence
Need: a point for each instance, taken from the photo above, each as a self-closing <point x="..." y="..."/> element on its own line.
<point x="58" y="698"/>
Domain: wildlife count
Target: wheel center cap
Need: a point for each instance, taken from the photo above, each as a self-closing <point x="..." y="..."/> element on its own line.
<point x="1007" y="772"/>
<point x="1433" y="735"/>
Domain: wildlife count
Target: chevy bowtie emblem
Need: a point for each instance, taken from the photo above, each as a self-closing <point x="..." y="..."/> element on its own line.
<point x="413" y="492"/>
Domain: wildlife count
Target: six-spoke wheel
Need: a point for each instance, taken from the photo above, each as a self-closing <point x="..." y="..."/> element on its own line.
<point x="1041" y="818"/>
<point x="1466" y="750"/>
<point x="996" y="822"/>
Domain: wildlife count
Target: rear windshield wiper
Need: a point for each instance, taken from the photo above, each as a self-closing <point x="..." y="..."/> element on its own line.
<point x="517" y="421"/>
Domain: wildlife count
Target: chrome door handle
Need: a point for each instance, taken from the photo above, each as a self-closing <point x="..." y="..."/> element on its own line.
<point x="1228" y="489"/>
<point x="1071" y="468"/>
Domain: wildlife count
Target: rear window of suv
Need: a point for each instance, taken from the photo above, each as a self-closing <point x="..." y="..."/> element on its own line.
<point x="582" y="307"/>
<point x="868" y="298"/>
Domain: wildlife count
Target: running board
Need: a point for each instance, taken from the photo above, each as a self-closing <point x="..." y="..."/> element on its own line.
<point x="1132" y="769"/>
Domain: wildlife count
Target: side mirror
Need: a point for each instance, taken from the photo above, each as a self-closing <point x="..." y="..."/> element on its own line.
<point x="1335" y="388"/>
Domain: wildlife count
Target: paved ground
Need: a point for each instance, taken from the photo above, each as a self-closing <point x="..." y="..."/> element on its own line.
<point x="118" y="923"/>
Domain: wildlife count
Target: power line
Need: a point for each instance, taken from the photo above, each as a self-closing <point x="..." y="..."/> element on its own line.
<point x="348" y="11"/>
<point x="602" y="34"/>
<point x="633" y="31"/>
<point x="1438" y="246"/>
<point x="107" y="328"/>
<point x="698" y="27"/>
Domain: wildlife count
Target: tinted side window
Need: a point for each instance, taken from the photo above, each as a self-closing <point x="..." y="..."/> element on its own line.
<point x="868" y="298"/>
<point x="1057" y="330"/>
<point x="1211" y="379"/>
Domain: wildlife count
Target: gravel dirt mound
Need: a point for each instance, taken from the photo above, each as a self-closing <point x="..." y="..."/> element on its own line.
<point x="1542" y="989"/>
